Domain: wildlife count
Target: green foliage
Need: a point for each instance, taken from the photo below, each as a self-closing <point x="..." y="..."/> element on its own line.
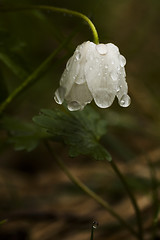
<point x="24" y="136"/>
<point x="80" y="130"/>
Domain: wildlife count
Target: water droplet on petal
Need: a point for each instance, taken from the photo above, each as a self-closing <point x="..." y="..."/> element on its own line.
<point x="119" y="88"/>
<point x="68" y="64"/>
<point x="114" y="76"/>
<point x="122" y="61"/>
<point x="80" y="80"/>
<point x="59" y="95"/>
<point x="95" y="224"/>
<point x="103" y="98"/>
<point x="78" y="55"/>
<point x="74" y="106"/>
<point x="101" y="49"/>
<point x="125" y="101"/>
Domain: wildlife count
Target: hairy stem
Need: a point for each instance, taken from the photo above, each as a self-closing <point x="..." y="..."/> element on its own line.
<point x="60" y="10"/>
<point x="89" y="192"/>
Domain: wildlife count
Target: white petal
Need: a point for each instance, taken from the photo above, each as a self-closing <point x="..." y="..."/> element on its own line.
<point x="101" y="82"/>
<point x="122" y="87"/>
<point x="80" y="94"/>
<point x="112" y="58"/>
<point x="74" y="72"/>
<point x="103" y="98"/>
<point x="69" y="76"/>
<point x="71" y="72"/>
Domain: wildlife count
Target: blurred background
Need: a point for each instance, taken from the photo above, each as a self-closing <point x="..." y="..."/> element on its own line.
<point x="36" y="198"/>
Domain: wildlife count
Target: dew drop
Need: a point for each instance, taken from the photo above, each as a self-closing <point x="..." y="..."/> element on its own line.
<point x="122" y="61"/>
<point x="59" y="95"/>
<point x="114" y="76"/>
<point x="101" y="49"/>
<point x="74" y="106"/>
<point x="78" y="55"/>
<point x="68" y="64"/>
<point x="95" y="224"/>
<point x="80" y="80"/>
<point x="125" y="101"/>
<point x="91" y="68"/>
<point x="106" y="67"/>
<point x="119" y="88"/>
<point x="103" y="98"/>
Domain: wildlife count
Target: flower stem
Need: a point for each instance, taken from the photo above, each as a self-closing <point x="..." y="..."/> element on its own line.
<point x="132" y="198"/>
<point x="33" y="77"/>
<point x="89" y="192"/>
<point x="61" y="10"/>
<point x="92" y="233"/>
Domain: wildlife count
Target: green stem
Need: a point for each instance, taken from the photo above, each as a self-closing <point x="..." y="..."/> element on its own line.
<point x="92" y="231"/>
<point x="89" y="192"/>
<point x="61" y="10"/>
<point x="132" y="198"/>
<point x="37" y="73"/>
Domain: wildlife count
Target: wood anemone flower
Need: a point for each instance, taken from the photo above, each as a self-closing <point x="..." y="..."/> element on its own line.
<point x="94" y="72"/>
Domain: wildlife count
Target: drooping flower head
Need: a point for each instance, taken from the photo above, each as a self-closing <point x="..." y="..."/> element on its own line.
<point x="94" y="72"/>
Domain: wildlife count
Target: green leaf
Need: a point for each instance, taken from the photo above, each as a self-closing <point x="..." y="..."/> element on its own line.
<point x="24" y="136"/>
<point x="80" y="130"/>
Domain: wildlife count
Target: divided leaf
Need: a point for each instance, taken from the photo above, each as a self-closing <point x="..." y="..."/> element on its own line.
<point x="80" y="130"/>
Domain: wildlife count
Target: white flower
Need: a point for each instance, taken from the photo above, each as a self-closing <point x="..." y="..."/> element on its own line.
<point x="94" y="72"/>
